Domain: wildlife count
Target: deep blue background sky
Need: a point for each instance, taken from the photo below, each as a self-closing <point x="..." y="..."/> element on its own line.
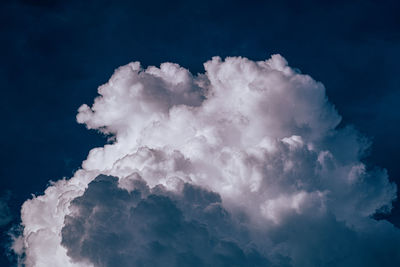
<point x="54" y="55"/>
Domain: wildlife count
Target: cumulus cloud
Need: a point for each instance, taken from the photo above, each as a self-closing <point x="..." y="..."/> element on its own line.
<point x="242" y="165"/>
<point x="152" y="227"/>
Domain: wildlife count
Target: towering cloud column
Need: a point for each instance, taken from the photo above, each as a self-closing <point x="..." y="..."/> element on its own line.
<point x="240" y="166"/>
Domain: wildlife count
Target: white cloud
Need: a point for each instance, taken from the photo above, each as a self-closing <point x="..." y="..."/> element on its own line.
<point x="260" y="135"/>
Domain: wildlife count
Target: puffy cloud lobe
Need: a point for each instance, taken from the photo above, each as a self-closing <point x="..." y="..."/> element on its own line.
<point x="260" y="135"/>
<point x="139" y="95"/>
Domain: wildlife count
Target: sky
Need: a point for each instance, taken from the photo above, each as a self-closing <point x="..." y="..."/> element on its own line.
<point x="55" y="54"/>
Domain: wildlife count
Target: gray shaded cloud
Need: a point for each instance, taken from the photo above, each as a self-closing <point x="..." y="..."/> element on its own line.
<point x="111" y="226"/>
<point x="152" y="228"/>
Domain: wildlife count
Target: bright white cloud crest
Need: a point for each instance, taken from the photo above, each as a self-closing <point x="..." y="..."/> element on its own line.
<point x="259" y="134"/>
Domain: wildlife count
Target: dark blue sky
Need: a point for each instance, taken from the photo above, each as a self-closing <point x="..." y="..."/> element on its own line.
<point x="54" y="55"/>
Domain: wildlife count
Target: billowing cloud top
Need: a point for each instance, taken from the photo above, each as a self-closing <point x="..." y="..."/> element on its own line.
<point x="240" y="166"/>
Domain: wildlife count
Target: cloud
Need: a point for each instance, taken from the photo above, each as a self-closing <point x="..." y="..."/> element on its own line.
<point x="243" y="165"/>
<point x="152" y="227"/>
